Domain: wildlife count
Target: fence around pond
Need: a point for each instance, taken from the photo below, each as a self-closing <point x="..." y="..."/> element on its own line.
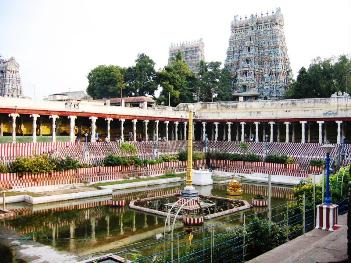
<point x="247" y="237"/>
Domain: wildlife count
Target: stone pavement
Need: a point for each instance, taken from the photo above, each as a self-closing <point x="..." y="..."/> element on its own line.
<point x="315" y="246"/>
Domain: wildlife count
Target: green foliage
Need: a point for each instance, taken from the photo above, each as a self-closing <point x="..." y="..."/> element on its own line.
<point x="67" y="163"/>
<point x="105" y="82"/>
<point x="338" y="188"/>
<point x="169" y="157"/>
<point x="264" y="236"/>
<point x="183" y="156"/>
<point x="114" y="160"/>
<point x="141" y="79"/>
<point x="36" y="164"/>
<point x="259" y="197"/>
<point x="3" y="168"/>
<point x="213" y="82"/>
<point x="177" y="80"/>
<point x="250" y="157"/>
<point x="128" y="148"/>
<point x="274" y="158"/>
<point x="322" y="79"/>
<point x="317" y="162"/>
<point x="244" y="146"/>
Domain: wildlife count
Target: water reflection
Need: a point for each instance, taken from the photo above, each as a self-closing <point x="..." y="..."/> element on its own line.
<point x="87" y="227"/>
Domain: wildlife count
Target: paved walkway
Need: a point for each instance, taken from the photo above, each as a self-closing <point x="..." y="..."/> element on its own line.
<point x="315" y="246"/>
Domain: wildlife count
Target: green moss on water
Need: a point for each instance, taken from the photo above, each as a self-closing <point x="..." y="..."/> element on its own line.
<point x="126" y="181"/>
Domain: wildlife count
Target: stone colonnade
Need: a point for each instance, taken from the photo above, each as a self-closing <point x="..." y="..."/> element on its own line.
<point x="254" y="131"/>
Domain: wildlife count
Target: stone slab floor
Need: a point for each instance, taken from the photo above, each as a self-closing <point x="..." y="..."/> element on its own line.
<point x="315" y="246"/>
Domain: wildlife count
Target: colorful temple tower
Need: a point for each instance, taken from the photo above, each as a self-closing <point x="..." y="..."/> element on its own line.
<point x="257" y="57"/>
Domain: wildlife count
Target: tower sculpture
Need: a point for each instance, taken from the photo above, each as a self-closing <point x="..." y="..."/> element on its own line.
<point x="10" y="80"/>
<point x="192" y="53"/>
<point x="257" y="57"/>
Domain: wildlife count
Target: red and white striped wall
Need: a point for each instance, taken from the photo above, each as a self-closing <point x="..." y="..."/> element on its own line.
<point x="327" y="217"/>
<point x="193" y="221"/>
<point x="259" y="202"/>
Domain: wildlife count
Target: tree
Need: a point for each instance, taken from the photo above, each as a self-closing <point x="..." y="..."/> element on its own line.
<point x="213" y="82"/>
<point x="141" y="79"/>
<point x="178" y="81"/>
<point x="105" y="82"/>
<point x="322" y="79"/>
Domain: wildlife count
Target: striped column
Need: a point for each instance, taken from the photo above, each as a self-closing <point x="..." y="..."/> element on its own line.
<point x="34" y="126"/>
<point x="327" y="217"/>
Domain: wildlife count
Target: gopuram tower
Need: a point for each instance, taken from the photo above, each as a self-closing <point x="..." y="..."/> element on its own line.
<point x="10" y="80"/>
<point x="192" y="53"/>
<point x="257" y="57"/>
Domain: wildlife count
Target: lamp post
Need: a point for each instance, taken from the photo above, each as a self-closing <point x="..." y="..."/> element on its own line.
<point x="327" y="149"/>
<point x="327" y="213"/>
<point x="266" y="150"/>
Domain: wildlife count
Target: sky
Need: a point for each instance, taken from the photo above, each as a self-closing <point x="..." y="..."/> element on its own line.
<point x="57" y="42"/>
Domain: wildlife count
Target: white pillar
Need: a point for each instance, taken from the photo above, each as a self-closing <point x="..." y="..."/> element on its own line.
<point x="134" y="129"/>
<point x="338" y="136"/>
<point x="303" y="131"/>
<point x="54" y="118"/>
<point x="229" y="131"/>
<point x="287" y="131"/>
<point x="203" y="131"/>
<point x="72" y="125"/>
<point x="320" y="132"/>
<point x="271" y="135"/>
<point x="293" y="132"/>
<point x="122" y="129"/>
<point x="166" y="122"/>
<point x="13" y="116"/>
<point x="309" y="132"/>
<point x="176" y="130"/>
<point x="325" y="133"/>
<point x="156" y="130"/>
<point x="216" y="131"/>
<point x="278" y="132"/>
<point x="256" y="131"/>
<point x="185" y="124"/>
<point x="242" y="131"/>
<point x="146" y="122"/>
<point x="237" y="132"/>
<point x="108" y="138"/>
<point x="194" y="131"/>
<point x="34" y="126"/>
